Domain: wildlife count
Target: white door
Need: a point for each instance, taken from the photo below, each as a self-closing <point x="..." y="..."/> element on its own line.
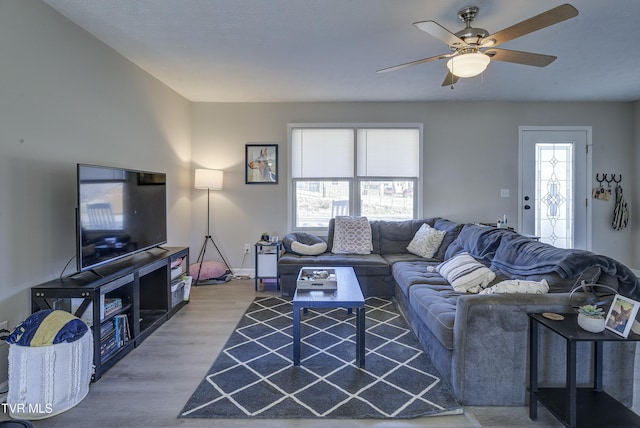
<point x="555" y="164"/>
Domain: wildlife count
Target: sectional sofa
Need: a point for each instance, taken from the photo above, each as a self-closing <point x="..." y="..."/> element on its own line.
<point x="479" y="342"/>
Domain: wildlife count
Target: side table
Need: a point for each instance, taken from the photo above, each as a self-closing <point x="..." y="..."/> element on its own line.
<point x="267" y="257"/>
<point x="573" y="406"/>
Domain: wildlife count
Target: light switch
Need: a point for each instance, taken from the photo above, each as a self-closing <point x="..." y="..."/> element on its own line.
<point x="504" y="193"/>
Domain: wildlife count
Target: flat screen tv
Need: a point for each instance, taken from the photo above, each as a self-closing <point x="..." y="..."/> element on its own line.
<point x="120" y="212"/>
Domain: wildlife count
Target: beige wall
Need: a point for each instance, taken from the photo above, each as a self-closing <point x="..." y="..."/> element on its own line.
<point x="66" y="98"/>
<point x="470" y="153"/>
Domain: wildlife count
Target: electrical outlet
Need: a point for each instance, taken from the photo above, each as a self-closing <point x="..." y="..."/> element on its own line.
<point x="247" y="248"/>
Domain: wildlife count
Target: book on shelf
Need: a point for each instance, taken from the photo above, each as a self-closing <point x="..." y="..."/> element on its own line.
<point x="122" y="329"/>
<point x="106" y="328"/>
<point x="117" y="334"/>
<point x="112" y="305"/>
<point x="108" y="346"/>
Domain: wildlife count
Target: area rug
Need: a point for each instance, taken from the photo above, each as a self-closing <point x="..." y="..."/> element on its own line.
<point x="254" y="376"/>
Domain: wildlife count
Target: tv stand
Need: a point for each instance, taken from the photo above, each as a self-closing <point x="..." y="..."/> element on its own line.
<point x="123" y="302"/>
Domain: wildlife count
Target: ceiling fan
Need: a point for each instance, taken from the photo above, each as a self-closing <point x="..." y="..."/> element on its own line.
<point x="473" y="48"/>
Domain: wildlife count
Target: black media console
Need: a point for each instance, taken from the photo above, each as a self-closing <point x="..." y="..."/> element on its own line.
<point x="123" y="302"/>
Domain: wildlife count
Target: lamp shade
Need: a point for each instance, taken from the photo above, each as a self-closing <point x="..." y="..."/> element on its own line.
<point x="208" y="179"/>
<point x="469" y="64"/>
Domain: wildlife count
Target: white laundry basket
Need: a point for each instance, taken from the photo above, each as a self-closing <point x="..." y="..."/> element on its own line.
<point x="47" y="380"/>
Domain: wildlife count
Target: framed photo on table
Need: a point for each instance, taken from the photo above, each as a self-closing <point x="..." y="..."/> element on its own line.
<point x="621" y="316"/>
<point x="261" y="166"/>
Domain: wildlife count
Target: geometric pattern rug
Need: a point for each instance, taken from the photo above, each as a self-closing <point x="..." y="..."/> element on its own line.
<point x="254" y="376"/>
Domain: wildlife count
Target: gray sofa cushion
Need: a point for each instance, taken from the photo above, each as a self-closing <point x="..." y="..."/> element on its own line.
<point x="452" y="229"/>
<point x="363" y="264"/>
<point x="406" y="257"/>
<point x="435" y="305"/>
<point x="409" y="273"/>
<point x="395" y="236"/>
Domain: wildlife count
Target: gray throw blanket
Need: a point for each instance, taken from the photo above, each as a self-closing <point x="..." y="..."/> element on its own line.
<point x="523" y="256"/>
<point x="479" y="241"/>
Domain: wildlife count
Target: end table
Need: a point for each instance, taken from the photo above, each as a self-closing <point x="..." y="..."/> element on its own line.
<point x="267" y="257"/>
<point x="596" y="408"/>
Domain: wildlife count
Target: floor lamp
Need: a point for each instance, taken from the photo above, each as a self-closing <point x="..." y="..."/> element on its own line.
<point x="209" y="179"/>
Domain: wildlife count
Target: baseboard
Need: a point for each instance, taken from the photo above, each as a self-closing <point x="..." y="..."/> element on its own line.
<point x="244" y="273"/>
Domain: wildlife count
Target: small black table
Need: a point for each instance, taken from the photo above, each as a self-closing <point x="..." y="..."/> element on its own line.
<point x="573" y="406"/>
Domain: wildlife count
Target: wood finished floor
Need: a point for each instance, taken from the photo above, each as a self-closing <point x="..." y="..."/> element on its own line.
<point x="152" y="383"/>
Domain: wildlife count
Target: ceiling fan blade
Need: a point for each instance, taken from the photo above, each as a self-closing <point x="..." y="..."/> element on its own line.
<point x="420" y="61"/>
<point x="439" y="32"/>
<point x="451" y="79"/>
<point x="545" y="19"/>
<point x="519" y="57"/>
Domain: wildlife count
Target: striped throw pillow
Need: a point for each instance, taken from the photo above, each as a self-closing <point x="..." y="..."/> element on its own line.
<point x="466" y="274"/>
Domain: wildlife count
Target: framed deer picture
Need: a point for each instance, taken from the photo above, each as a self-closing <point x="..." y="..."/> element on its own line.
<point x="621" y="315"/>
<point x="261" y="164"/>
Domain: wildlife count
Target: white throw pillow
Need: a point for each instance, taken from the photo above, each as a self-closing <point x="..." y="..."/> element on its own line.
<point x="309" y="250"/>
<point x="352" y="235"/>
<point x="466" y="274"/>
<point x="518" y="286"/>
<point x="426" y="241"/>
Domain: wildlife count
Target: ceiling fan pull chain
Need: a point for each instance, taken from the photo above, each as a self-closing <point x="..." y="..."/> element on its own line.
<point x="452" y="84"/>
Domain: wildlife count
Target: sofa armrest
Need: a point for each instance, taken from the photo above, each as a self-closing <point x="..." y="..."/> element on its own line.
<point x="491" y="345"/>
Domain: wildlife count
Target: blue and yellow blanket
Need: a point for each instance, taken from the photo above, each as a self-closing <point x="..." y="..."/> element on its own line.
<point x="46" y="328"/>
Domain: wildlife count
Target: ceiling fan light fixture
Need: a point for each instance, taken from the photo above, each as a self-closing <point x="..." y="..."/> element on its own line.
<point x="469" y="64"/>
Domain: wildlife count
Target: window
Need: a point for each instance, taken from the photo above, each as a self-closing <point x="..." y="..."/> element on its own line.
<point x="367" y="170"/>
<point x="554" y="193"/>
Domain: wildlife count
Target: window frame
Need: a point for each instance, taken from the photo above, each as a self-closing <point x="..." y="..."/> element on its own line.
<point x="355" y="181"/>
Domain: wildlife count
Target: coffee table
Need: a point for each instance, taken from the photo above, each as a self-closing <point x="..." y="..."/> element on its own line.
<point x="348" y="296"/>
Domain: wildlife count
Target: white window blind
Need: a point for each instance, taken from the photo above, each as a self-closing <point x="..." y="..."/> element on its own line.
<point x="322" y="153"/>
<point x="388" y="152"/>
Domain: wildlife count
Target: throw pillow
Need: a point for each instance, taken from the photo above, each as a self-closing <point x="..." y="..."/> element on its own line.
<point x="518" y="286"/>
<point x="426" y="241"/>
<point x="304" y="244"/>
<point x="211" y="269"/>
<point x="466" y="274"/>
<point x="352" y="235"/>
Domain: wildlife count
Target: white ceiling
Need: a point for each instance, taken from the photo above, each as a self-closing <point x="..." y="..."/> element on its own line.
<point x="329" y="50"/>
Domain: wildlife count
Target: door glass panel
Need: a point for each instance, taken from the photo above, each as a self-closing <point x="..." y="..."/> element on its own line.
<point x="554" y="215"/>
